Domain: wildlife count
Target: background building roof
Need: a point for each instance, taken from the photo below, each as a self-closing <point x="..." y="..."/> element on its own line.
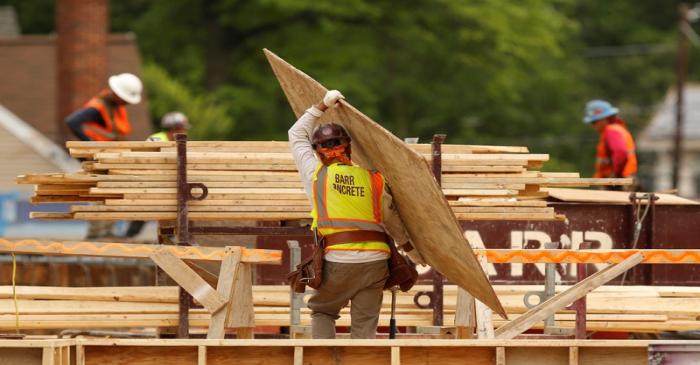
<point x="662" y="127"/>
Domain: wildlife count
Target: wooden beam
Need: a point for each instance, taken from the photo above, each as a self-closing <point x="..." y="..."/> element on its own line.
<point x="229" y="272"/>
<point x="559" y="301"/>
<point x="465" y="317"/>
<point x="241" y="314"/>
<point x="188" y="280"/>
<point x="130" y="250"/>
<point x="201" y="355"/>
<point x="500" y="355"/>
<point x="573" y="355"/>
<point x="395" y="356"/>
<point x="299" y="355"/>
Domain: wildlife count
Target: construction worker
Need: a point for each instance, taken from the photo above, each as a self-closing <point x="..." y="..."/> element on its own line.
<point x="351" y="209"/>
<point x="615" y="156"/>
<point x="172" y="123"/>
<point x="104" y="117"/>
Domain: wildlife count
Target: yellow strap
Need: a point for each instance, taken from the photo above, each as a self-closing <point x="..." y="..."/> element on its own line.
<point x="14" y="291"/>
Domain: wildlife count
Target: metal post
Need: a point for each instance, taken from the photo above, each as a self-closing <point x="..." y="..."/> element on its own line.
<point x="437" y="297"/>
<point x="681" y="73"/>
<point x="296" y="299"/>
<point x="183" y="232"/>
<point x="580" y="304"/>
<point x="549" y="287"/>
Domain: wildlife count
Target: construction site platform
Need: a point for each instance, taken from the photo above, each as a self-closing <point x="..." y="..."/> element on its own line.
<point x="212" y="352"/>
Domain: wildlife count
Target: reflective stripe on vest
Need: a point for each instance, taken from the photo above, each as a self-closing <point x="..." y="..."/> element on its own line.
<point x="603" y="164"/>
<point x="160" y="136"/>
<point x="348" y="198"/>
<point x="116" y="122"/>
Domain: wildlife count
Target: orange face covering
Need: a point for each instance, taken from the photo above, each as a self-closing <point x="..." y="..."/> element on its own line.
<point x="339" y="153"/>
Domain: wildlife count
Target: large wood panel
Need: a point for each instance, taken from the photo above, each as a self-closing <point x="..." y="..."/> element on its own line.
<point x="431" y="224"/>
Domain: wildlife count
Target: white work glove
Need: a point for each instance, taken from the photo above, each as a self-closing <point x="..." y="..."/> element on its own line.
<point x="332" y="97"/>
<point x="416" y="257"/>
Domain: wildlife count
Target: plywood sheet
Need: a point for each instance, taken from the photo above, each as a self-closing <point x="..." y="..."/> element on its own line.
<point x="431" y="224"/>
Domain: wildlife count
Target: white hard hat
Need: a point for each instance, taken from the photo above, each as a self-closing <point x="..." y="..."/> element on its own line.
<point x="127" y="86"/>
<point x="174" y="119"/>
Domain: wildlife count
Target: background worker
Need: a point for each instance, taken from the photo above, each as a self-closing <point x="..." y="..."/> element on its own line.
<point x="615" y="154"/>
<point x="352" y="210"/>
<point x="171" y="124"/>
<point x="104" y="117"/>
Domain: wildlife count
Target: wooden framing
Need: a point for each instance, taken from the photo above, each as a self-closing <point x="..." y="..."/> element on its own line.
<point x="561" y="300"/>
<point x="322" y="352"/>
<point x="188" y="279"/>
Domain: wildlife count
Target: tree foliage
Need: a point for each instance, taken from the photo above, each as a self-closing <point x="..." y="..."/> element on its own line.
<point x="484" y="72"/>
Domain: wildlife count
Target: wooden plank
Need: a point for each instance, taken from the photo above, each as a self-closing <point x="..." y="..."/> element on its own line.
<point x="483" y="314"/>
<point x="188" y="280"/>
<point x="241" y="315"/>
<point x="51" y="215"/>
<point x="412" y="182"/>
<point x="500" y="355"/>
<point x="201" y="355"/>
<point x="573" y="355"/>
<point x="130" y="250"/>
<point x="465" y="316"/>
<point x="395" y="356"/>
<point x="212" y="216"/>
<point x="615" y="197"/>
<point x="229" y="271"/>
<point x="48" y="356"/>
<point x="195" y="208"/>
<point x="209" y="202"/>
<point x="559" y="301"/>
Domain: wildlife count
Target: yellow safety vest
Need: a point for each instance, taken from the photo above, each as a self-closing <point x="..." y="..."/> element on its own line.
<point x="160" y="136"/>
<point x="348" y="198"/>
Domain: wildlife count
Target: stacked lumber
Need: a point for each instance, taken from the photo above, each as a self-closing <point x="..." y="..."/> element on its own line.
<point x="610" y="308"/>
<point x="259" y="181"/>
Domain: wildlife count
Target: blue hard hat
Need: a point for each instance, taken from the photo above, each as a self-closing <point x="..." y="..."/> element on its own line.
<point x="597" y="110"/>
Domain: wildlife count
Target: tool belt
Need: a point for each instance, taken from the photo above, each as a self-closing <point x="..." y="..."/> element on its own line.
<point x="310" y="270"/>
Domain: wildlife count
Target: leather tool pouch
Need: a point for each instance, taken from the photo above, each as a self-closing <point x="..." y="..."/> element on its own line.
<point x="309" y="271"/>
<point x="402" y="272"/>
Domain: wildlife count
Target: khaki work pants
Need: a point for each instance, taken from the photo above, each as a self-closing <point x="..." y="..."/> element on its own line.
<point x="361" y="284"/>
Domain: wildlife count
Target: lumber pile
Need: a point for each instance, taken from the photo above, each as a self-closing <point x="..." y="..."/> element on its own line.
<point x="259" y="181"/>
<point x="610" y="308"/>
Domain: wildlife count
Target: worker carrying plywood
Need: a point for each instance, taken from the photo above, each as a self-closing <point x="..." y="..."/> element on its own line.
<point x="104" y="117"/>
<point x="352" y="211"/>
<point x="615" y="154"/>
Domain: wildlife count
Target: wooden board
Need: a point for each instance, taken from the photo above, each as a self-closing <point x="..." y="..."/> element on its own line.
<point x="435" y="232"/>
<point x="132" y="250"/>
<point x="614" y="197"/>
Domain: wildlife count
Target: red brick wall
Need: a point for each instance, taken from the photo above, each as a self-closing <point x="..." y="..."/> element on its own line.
<point x="82" y="53"/>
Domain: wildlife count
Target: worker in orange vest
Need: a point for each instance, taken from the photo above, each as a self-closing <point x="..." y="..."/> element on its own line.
<point x="615" y="154"/>
<point x="104" y="118"/>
